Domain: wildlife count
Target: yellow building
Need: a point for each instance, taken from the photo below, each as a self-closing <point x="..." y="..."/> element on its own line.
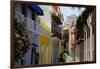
<point x="45" y="40"/>
<point x="45" y="48"/>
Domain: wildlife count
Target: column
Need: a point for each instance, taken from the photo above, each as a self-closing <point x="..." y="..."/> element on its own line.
<point x="84" y="45"/>
<point x="86" y="50"/>
<point x="91" y="46"/>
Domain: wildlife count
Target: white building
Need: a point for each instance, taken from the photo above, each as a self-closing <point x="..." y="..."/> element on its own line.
<point x="89" y="39"/>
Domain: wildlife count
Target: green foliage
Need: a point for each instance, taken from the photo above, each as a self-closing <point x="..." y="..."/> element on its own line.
<point x="62" y="54"/>
<point x="21" y="41"/>
<point x="82" y="21"/>
<point x="65" y="35"/>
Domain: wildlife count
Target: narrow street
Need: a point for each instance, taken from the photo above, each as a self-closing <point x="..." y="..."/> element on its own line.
<point x="53" y="34"/>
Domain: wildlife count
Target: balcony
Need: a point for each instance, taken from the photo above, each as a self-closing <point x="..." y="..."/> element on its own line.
<point x="34" y="26"/>
<point x="20" y="17"/>
<point x="57" y="32"/>
<point x="56" y="18"/>
<point x="31" y="25"/>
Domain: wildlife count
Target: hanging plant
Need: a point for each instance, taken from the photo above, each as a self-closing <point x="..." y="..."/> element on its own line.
<point x="21" y="41"/>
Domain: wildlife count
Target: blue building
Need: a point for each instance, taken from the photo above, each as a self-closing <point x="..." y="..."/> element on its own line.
<point x="28" y="14"/>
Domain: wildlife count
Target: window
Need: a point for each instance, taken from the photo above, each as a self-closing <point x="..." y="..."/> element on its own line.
<point x="85" y="35"/>
<point x="24" y="9"/>
<point x="42" y="57"/>
<point x="22" y="61"/>
<point x="33" y="55"/>
<point x="88" y="32"/>
<point x="47" y="55"/>
<point x="18" y="8"/>
<point x="93" y="29"/>
<point x="33" y="15"/>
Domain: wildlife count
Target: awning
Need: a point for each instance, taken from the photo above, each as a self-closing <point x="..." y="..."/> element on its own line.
<point x="37" y="8"/>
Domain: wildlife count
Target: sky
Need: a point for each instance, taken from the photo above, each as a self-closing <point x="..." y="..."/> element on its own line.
<point x="67" y="11"/>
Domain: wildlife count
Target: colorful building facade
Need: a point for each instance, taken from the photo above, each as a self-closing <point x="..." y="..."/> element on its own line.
<point x="38" y="33"/>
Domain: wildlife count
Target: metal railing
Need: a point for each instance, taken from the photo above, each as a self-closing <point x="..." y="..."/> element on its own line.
<point x="31" y="25"/>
